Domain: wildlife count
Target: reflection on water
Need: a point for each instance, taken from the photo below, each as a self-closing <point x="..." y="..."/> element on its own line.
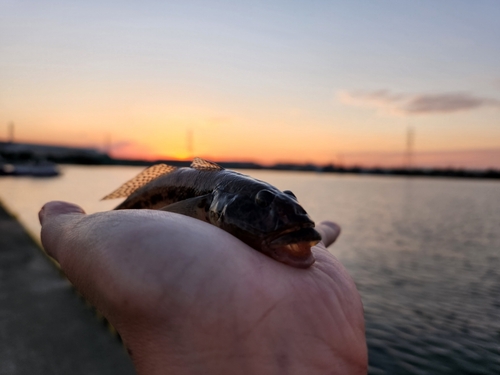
<point x="425" y="254"/>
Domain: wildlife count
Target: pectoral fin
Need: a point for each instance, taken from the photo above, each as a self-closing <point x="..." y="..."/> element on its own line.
<point x="140" y="180"/>
<point x="194" y="207"/>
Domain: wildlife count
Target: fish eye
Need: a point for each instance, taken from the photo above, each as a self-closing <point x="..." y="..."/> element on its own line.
<point x="264" y="198"/>
<point x="288" y="192"/>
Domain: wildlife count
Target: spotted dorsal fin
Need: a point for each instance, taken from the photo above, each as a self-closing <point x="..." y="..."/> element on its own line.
<point x="205" y="165"/>
<point x="140" y="180"/>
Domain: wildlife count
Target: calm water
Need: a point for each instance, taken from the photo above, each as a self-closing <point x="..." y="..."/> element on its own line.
<point x="425" y="254"/>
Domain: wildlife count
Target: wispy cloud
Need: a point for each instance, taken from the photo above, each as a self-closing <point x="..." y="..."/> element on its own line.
<point x="388" y="102"/>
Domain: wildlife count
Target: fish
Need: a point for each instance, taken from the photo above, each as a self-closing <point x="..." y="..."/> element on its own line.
<point x="265" y="218"/>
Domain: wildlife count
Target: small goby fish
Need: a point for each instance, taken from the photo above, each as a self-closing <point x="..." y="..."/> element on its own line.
<point x="269" y="220"/>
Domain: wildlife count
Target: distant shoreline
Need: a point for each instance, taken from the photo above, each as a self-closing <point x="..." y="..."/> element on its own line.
<point x="25" y="153"/>
<point x="331" y="168"/>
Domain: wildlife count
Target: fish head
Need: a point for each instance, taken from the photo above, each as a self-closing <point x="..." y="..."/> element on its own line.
<point x="269" y="220"/>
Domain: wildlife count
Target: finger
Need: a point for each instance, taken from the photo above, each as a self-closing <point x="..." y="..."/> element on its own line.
<point x="329" y="232"/>
<point x="55" y="208"/>
<point x="54" y="217"/>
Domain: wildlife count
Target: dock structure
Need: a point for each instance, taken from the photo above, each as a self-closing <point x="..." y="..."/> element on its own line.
<point x="45" y="328"/>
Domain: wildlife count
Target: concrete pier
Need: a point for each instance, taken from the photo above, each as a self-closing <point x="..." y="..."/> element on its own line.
<point x="45" y="328"/>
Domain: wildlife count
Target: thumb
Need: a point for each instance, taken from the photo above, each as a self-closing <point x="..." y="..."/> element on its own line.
<point x="56" y="217"/>
<point x="329" y="232"/>
<point x="55" y="208"/>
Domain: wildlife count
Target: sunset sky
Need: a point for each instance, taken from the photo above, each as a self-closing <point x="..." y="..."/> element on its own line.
<point x="265" y="81"/>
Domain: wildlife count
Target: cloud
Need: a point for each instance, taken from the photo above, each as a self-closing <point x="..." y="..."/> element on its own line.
<point x="446" y="103"/>
<point x="410" y="104"/>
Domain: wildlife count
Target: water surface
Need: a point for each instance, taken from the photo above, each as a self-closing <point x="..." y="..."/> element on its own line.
<point x="425" y="255"/>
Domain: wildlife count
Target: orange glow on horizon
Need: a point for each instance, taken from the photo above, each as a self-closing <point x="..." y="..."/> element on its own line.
<point x="150" y="132"/>
<point x="478" y="158"/>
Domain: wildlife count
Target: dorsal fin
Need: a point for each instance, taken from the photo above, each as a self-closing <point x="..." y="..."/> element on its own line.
<point x="140" y="180"/>
<point x="205" y="165"/>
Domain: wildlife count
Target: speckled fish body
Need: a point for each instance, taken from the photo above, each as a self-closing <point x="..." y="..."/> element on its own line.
<point x="269" y="220"/>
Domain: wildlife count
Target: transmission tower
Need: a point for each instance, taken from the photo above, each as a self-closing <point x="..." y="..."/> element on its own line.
<point x="11" y="133"/>
<point x="189" y="141"/>
<point x="410" y="140"/>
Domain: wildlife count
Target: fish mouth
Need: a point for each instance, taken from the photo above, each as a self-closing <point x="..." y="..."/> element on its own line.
<point x="294" y="235"/>
<point x="293" y="246"/>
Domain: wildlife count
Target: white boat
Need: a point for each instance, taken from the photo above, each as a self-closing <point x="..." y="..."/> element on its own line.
<point x="37" y="169"/>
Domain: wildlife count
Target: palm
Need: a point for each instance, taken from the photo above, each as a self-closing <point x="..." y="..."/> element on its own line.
<point x="215" y="296"/>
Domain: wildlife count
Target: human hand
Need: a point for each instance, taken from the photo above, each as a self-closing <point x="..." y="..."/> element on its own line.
<point x="189" y="298"/>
